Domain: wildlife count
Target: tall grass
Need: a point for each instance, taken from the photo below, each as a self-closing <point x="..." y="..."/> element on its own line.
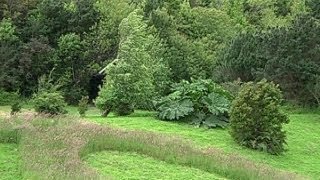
<point x="8" y="132"/>
<point x="177" y="151"/>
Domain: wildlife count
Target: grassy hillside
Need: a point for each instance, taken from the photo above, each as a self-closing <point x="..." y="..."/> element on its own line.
<point x="303" y="150"/>
<point x="51" y="147"/>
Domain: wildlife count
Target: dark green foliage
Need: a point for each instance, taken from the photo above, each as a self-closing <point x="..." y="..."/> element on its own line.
<point x="123" y="109"/>
<point x="69" y="67"/>
<point x="60" y="17"/>
<point x="233" y="87"/>
<point x="256" y="119"/>
<point x="83" y="106"/>
<point x="7" y="98"/>
<point x="202" y="102"/>
<point x="35" y="60"/>
<point x="314" y="6"/>
<point x="15" y="108"/>
<point x="288" y="56"/>
<point x="243" y="57"/>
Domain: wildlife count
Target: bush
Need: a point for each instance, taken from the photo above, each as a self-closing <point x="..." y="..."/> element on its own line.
<point x="49" y="103"/>
<point x="49" y="99"/>
<point x="15" y="108"/>
<point x="201" y="101"/>
<point x="256" y="121"/>
<point x="83" y="106"/>
<point x="8" y="98"/>
<point x="117" y="94"/>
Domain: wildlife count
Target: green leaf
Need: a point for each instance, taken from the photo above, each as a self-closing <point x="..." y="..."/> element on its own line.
<point x="175" y="110"/>
<point x="214" y="121"/>
<point x="216" y="104"/>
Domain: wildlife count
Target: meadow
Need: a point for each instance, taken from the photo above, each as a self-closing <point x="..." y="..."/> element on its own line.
<point x="159" y="89"/>
<point x="140" y="146"/>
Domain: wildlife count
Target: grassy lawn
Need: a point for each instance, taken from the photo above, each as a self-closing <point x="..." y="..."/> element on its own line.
<point x="303" y="155"/>
<point x="124" y="165"/>
<point x="9" y="162"/>
<point x="56" y="142"/>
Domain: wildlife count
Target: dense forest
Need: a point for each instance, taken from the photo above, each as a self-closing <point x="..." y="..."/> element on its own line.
<point x="141" y="47"/>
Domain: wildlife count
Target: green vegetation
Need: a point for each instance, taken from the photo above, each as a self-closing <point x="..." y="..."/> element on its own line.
<point x="153" y="44"/>
<point x="7" y="98"/>
<point x="15" y="108"/>
<point x="302" y="138"/>
<point x="54" y="148"/>
<point x="180" y="61"/>
<point x="285" y="56"/>
<point x="256" y="119"/>
<point x="9" y="162"/>
<point x="202" y="101"/>
<point x="48" y="99"/>
<point x="135" y="77"/>
<point x="122" y="165"/>
<point x="49" y="103"/>
<point x="83" y="106"/>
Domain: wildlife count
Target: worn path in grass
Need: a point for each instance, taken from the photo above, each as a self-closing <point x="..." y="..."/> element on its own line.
<point x="124" y="165"/>
<point x="9" y="162"/>
<point x="303" y="155"/>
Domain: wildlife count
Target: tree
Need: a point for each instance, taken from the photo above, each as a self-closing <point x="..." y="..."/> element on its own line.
<point x="36" y="58"/>
<point x="192" y="37"/>
<point x="130" y="80"/>
<point x="288" y="56"/>
<point x="9" y="56"/>
<point x="71" y="68"/>
<point x="66" y="16"/>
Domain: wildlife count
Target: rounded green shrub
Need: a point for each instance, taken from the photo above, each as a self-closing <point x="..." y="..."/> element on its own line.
<point x="256" y="119"/>
<point x="49" y="103"/>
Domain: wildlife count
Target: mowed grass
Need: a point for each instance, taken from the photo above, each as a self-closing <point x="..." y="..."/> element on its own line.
<point x="9" y="162"/>
<point x="125" y="165"/>
<point x="303" y="137"/>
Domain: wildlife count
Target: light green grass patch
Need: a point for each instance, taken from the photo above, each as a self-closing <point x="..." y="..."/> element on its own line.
<point x="9" y="162"/>
<point x="124" y="165"/>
